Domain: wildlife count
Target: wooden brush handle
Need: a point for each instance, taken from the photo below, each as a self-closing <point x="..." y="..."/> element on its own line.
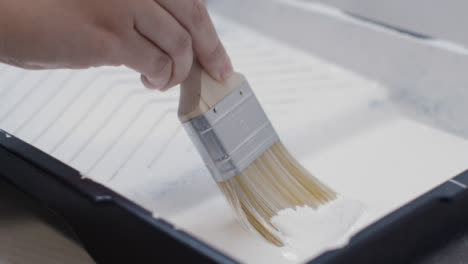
<point x="200" y="92"/>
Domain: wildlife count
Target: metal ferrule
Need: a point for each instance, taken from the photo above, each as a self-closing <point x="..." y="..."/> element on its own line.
<point x="232" y="134"/>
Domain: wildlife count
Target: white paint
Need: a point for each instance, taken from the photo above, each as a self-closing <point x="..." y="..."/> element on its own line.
<point x="306" y="231"/>
<point x="345" y="129"/>
<point x="383" y="166"/>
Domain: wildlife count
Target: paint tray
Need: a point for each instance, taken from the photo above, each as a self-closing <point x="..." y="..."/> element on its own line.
<point x="375" y="113"/>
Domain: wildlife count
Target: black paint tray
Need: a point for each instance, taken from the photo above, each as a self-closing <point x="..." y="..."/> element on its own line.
<point x="116" y="230"/>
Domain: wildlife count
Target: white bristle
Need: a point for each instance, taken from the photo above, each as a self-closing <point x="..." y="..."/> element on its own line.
<point x="273" y="182"/>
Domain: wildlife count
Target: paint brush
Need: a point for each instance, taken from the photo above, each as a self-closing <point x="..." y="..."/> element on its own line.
<point x="243" y="153"/>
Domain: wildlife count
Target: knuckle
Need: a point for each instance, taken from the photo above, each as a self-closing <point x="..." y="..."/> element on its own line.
<point x="182" y="72"/>
<point x="217" y="53"/>
<point x="183" y="43"/>
<point x="161" y="67"/>
<point x="200" y="12"/>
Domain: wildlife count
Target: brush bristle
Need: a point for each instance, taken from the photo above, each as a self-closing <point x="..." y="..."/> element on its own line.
<point x="275" y="181"/>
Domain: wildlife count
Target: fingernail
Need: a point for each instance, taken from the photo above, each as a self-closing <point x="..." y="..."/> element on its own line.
<point x="227" y="70"/>
<point x="152" y="84"/>
<point x="145" y="82"/>
<point x="165" y="88"/>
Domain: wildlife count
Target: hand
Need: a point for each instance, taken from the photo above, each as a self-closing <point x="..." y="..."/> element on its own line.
<point x="157" y="38"/>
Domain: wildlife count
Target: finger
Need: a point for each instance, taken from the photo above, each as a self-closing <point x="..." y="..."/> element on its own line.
<point x="193" y="15"/>
<point x="164" y="31"/>
<point x="143" y="56"/>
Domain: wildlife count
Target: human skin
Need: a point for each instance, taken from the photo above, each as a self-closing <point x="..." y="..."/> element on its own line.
<point x="157" y="38"/>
